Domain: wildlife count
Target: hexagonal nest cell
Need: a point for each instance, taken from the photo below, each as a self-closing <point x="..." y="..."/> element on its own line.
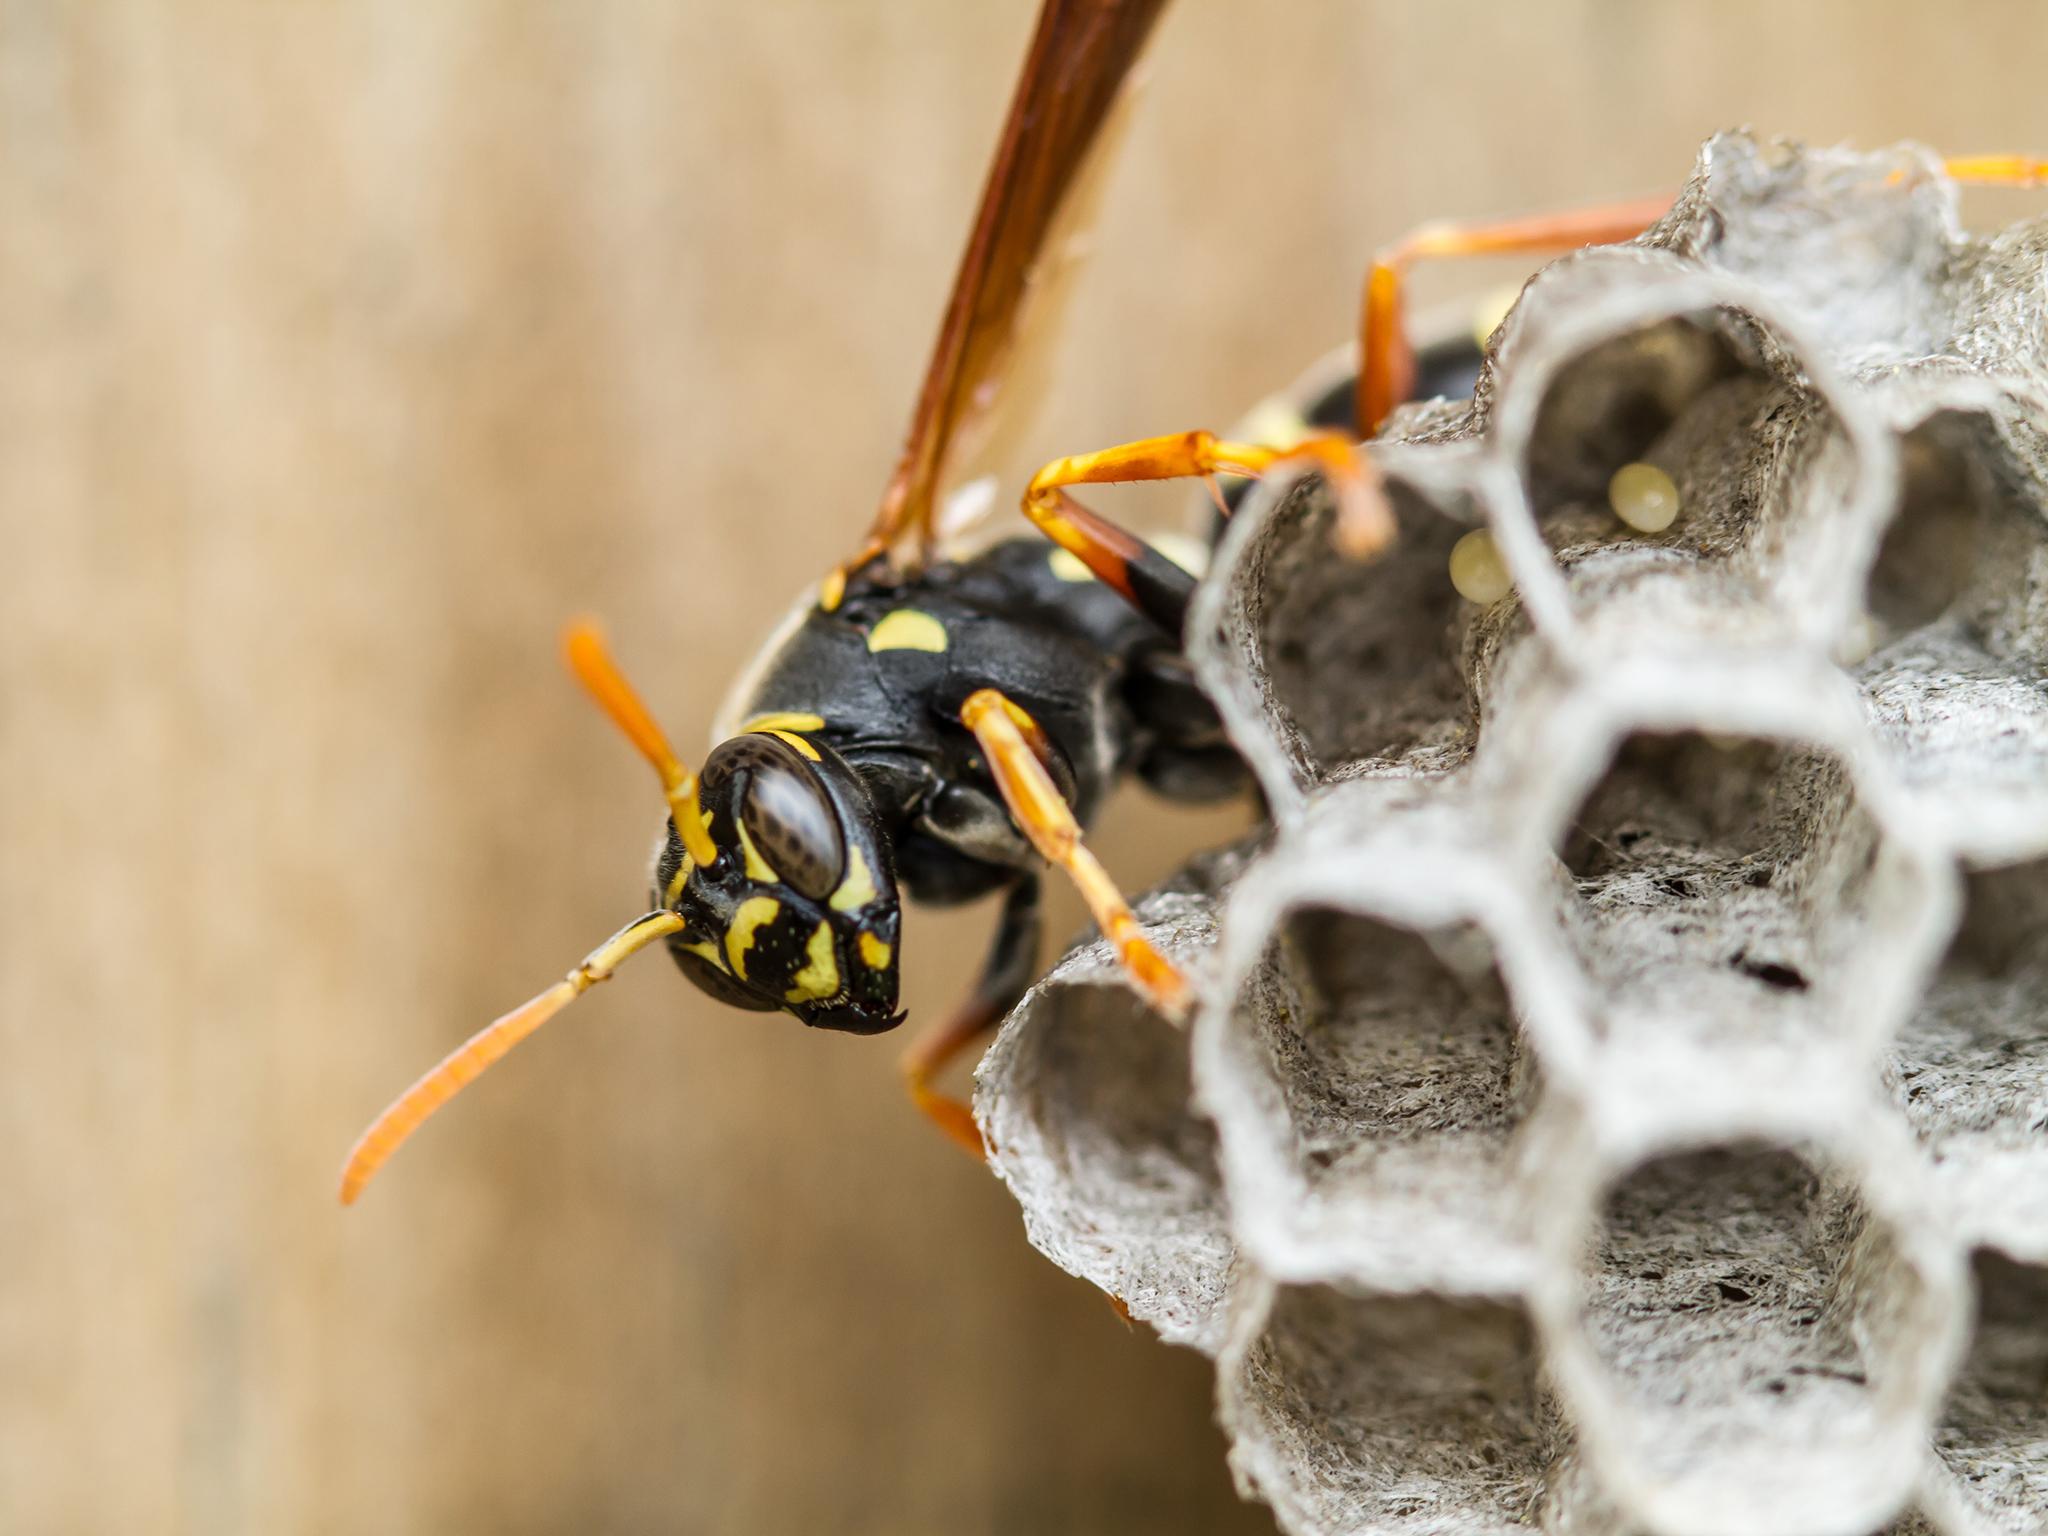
<point x="1950" y="650"/>
<point x="1970" y="1067"/>
<point x="1759" y="1339"/>
<point x="1392" y="1056"/>
<point x="1626" y="1048"/>
<point x="1725" y="888"/>
<point x="1301" y="628"/>
<point x="1455" y="1377"/>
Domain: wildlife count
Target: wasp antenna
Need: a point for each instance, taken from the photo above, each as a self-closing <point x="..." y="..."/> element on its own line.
<point x="467" y="1062"/>
<point x="600" y="675"/>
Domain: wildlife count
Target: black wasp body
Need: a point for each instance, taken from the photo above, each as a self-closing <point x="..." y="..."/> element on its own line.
<point x="860" y="708"/>
<point x="852" y="728"/>
<point x="938" y="727"/>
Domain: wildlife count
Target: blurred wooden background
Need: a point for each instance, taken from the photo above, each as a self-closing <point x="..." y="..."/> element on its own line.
<point x="345" y="349"/>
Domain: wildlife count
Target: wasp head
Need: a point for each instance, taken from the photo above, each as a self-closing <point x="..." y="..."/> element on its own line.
<point x="798" y="910"/>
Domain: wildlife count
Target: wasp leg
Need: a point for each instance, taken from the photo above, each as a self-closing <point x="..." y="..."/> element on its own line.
<point x="1126" y="564"/>
<point x="1006" y="733"/>
<point x="1365" y="520"/>
<point x="1997" y="170"/>
<point x="1005" y="976"/>
<point x="1386" y="356"/>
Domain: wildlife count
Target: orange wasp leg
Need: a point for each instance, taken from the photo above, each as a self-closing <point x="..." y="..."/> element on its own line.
<point x="1365" y="521"/>
<point x="1386" y="355"/>
<point x="468" y="1061"/>
<point x="1006" y="733"/>
<point x="1005" y="978"/>
<point x="1997" y="170"/>
<point x="928" y="1057"/>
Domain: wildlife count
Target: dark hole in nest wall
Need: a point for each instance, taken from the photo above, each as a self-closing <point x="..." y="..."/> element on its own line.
<point x="1609" y="405"/>
<point x="1412" y="1393"/>
<point x="1993" y="1429"/>
<point x="1961" y="535"/>
<point x="2008" y="1355"/>
<point x="1733" y="1258"/>
<point x="2004" y="929"/>
<point x="1404" y="1036"/>
<point x="1363" y="656"/>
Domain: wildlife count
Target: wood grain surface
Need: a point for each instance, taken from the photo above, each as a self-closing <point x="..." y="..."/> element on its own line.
<point x="345" y="350"/>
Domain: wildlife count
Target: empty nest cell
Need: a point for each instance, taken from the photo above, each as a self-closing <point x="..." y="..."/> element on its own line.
<point x="1970" y="1067"/>
<point x="1721" y="889"/>
<point x="1358" y="1413"/>
<point x="1356" y="662"/>
<point x="1394" y="1078"/>
<point x="1951" y="649"/>
<point x="1760" y="1337"/>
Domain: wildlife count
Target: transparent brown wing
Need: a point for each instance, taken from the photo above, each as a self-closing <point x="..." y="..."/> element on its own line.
<point x="1079" y="57"/>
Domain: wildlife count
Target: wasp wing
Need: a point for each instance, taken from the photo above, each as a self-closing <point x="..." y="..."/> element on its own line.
<point x="1079" y="58"/>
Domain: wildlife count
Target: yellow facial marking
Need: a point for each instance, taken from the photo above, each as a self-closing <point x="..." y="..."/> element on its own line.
<point x="705" y="949"/>
<point x="819" y="979"/>
<point x="739" y="938"/>
<point x="874" y="952"/>
<point x="907" y="630"/>
<point x="858" y="888"/>
<point x="799" y="743"/>
<point x="758" y="868"/>
<point x="1067" y="566"/>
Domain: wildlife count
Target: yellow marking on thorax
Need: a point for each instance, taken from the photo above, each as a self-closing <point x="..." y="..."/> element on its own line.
<point x="819" y="979"/>
<point x="875" y="952"/>
<point x="858" y="888"/>
<point x="739" y="938"/>
<point x="832" y="590"/>
<point x="1191" y="555"/>
<point x="907" y="629"/>
<point x="1067" y="566"/>
<point x="1275" y="422"/>
<point x="785" y="720"/>
<point x="758" y="868"/>
<point x="799" y="743"/>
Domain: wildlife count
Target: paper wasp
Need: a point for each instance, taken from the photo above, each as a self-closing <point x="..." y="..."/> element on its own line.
<point x="938" y="727"/>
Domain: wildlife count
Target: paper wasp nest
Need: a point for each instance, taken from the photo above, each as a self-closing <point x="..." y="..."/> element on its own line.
<point x="1620" y="1098"/>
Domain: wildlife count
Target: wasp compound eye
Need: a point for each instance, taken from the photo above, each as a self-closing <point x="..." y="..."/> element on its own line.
<point x="784" y="811"/>
<point x="720" y="987"/>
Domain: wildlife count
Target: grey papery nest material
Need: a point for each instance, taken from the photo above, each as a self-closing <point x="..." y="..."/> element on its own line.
<point x="1619" y="1101"/>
